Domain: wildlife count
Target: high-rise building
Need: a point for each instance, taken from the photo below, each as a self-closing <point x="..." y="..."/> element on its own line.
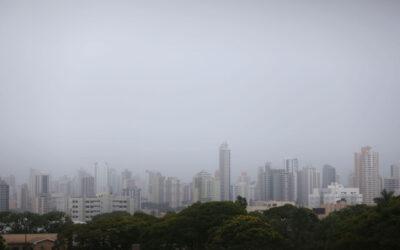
<point x="291" y="166"/>
<point x="126" y="177"/>
<point x="187" y="193"/>
<point x="206" y="188"/>
<point x="4" y="196"/>
<point x="101" y="179"/>
<point x="23" y="198"/>
<point x="10" y="180"/>
<point x="308" y="179"/>
<point x="134" y="193"/>
<point x="273" y="184"/>
<point x="242" y="187"/>
<point x="328" y="175"/>
<point x="40" y="197"/>
<point x="391" y="184"/>
<point x="42" y="203"/>
<point x="395" y="171"/>
<point x="39" y="183"/>
<point x="225" y="172"/>
<point x="87" y="186"/>
<point x="114" y="181"/>
<point x="156" y="187"/>
<point x="173" y="192"/>
<point x="366" y="174"/>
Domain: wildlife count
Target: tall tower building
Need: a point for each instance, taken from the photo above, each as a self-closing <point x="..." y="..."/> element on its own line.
<point x="308" y="179"/>
<point x="101" y="177"/>
<point x="291" y="166"/>
<point x="225" y="172"/>
<point x="40" y="197"/>
<point x="23" y="198"/>
<point x="4" y="196"/>
<point x="366" y="174"/>
<point x="156" y="187"/>
<point x="273" y="184"/>
<point x="328" y="175"/>
<point x="87" y="186"/>
<point x="173" y="192"/>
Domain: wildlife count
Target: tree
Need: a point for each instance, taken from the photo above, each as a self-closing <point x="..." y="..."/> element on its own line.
<point x="294" y="224"/>
<point x="2" y="244"/>
<point x="375" y="228"/>
<point x="241" y="201"/>
<point x="114" y="213"/>
<point x="111" y="232"/>
<point x="192" y="227"/>
<point x="384" y="198"/>
<point x="330" y="230"/>
<point x="56" y="222"/>
<point x="247" y="233"/>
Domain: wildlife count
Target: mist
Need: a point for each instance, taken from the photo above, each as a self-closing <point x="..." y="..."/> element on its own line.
<point x="160" y="85"/>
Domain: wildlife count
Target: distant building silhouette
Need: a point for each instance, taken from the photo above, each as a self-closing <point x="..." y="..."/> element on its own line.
<point x="4" y="196"/>
<point x="225" y="172"/>
<point x="328" y="175"/>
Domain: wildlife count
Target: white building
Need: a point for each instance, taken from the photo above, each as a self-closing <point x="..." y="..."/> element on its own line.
<point x="334" y="193"/>
<point x="242" y="189"/>
<point x="206" y="188"/>
<point x="83" y="209"/>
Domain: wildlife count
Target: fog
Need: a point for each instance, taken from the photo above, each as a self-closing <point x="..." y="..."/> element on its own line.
<point x="160" y="85"/>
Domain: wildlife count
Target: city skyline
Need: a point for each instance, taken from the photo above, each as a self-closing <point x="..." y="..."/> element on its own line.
<point x="159" y="86"/>
<point x="252" y="171"/>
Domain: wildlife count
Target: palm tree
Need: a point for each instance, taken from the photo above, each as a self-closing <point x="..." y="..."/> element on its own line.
<point x="384" y="198"/>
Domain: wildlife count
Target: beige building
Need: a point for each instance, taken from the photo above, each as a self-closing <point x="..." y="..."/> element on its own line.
<point x="265" y="205"/>
<point x="366" y="174"/>
<point x="32" y="241"/>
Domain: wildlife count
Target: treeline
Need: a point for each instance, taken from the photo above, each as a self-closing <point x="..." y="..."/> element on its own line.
<point x="31" y="223"/>
<point x="227" y="225"/>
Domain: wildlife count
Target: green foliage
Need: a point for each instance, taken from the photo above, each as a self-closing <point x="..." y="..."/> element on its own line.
<point x="27" y="222"/>
<point x="384" y="198"/>
<point x="331" y="229"/>
<point x="295" y="224"/>
<point x="247" y="233"/>
<point x="113" y="232"/>
<point x="241" y="201"/>
<point x="374" y="228"/>
<point x="226" y="225"/>
<point x="2" y="245"/>
<point x="115" y="213"/>
<point x="194" y="225"/>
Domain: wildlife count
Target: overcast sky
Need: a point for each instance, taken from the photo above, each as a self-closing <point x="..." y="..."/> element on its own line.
<point x="160" y="85"/>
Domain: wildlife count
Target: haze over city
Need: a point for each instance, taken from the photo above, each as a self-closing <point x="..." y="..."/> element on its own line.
<point x="160" y="85"/>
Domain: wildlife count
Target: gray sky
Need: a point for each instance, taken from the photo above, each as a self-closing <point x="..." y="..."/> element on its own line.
<point x="161" y="84"/>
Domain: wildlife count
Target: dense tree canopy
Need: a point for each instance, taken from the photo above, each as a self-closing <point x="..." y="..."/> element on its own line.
<point x="2" y="246"/>
<point x="245" y="232"/>
<point x="225" y="225"/>
<point x="27" y="222"/>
